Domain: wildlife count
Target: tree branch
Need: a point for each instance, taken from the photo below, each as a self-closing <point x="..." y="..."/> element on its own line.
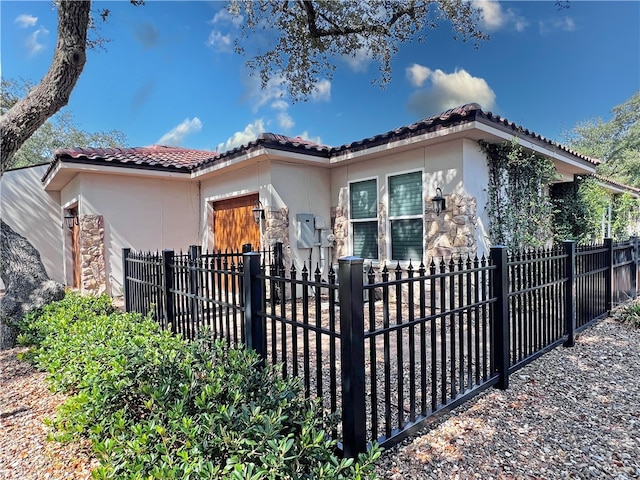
<point x="54" y="91"/>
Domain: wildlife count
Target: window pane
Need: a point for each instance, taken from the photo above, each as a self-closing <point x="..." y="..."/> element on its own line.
<point x="364" y="199"/>
<point x="405" y="194"/>
<point x="365" y="239"/>
<point x="406" y="239"/>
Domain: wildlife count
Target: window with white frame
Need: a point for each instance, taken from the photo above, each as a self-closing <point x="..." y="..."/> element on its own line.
<point x="363" y="198"/>
<point x="406" y="221"/>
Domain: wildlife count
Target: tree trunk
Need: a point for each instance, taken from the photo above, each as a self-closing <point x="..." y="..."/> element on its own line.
<point x="27" y="285"/>
<point x="25" y="279"/>
<point x="54" y="90"/>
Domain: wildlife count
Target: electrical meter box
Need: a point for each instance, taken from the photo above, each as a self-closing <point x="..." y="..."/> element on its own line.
<point x="306" y="230"/>
<point x="327" y="238"/>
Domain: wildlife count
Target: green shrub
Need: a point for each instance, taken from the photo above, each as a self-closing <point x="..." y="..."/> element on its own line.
<point x="156" y="406"/>
<point x="629" y="314"/>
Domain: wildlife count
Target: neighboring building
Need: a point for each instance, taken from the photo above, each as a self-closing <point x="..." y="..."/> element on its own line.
<point x="371" y="198"/>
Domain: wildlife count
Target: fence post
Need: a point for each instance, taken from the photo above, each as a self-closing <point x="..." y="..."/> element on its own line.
<point x="167" y="286"/>
<point x="500" y="339"/>
<point x="608" y="279"/>
<point x="254" y="323"/>
<point x="194" y="254"/>
<point x="634" y="267"/>
<point x="569" y="248"/>
<point x="351" y="290"/>
<point x="125" y="274"/>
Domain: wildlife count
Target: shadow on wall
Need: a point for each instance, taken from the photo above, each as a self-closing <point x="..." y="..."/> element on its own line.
<point x="35" y="214"/>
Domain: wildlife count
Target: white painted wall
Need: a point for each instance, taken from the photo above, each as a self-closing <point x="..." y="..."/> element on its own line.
<point x="475" y="183"/>
<point x="221" y="185"/>
<point x="141" y="213"/>
<point x="35" y="214"/>
<point x="441" y="163"/>
<point x="300" y="188"/>
<point x="303" y="189"/>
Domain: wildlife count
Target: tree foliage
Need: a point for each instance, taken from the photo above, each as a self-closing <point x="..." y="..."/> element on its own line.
<point x="57" y="132"/>
<point x="308" y="36"/>
<point x="578" y="210"/>
<point x="519" y="206"/>
<point x="616" y="142"/>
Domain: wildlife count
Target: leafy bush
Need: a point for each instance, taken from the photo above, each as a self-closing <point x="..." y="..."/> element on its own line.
<point x="156" y="406"/>
<point x="629" y="314"/>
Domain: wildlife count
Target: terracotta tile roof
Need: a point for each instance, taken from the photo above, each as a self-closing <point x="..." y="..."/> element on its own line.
<point x="276" y="141"/>
<point x="155" y="155"/>
<point x="629" y="188"/>
<point x="455" y="116"/>
<point x="160" y="157"/>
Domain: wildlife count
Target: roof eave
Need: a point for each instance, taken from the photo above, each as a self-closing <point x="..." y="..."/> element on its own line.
<point x="539" y="145"/>
<point x="63" y="170"/>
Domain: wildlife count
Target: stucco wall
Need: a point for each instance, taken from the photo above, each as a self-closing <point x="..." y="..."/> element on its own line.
<point x="285" y="189"/>
<point x="303" y="189"/>
<point x="35" y="214"/>
<point x="141" y="213"/>
<point x="475" y="182"/>
<point x="443" y="167"/>
<point x="222" y="186"/>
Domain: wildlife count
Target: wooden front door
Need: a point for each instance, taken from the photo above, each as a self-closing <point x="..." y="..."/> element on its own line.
<point x="233" y="224"/>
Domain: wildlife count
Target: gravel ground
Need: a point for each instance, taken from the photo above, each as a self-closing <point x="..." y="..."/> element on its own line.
<point x="25" y="452"/>
<point x="573" y="413"/>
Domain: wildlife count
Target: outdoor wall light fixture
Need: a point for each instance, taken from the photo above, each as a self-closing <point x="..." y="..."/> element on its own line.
<point x="439" y="203"/>
<point x="258" y="212"/>
<point x="70" y="221"/>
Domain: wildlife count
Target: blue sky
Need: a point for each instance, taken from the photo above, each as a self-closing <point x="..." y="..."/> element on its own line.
<point x="169" y="75"/>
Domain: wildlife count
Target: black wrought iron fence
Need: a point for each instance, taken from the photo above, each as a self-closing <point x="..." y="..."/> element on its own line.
<point x="384" y="349"/>
<point x="537" y="301"/>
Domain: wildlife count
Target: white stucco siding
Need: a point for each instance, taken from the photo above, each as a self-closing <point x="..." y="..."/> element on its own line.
<point x="141" y="213"/>
<point x="303" y="189"/>
<point x="34" y="214"/>
<point x="298" y="188"/>
<point x="441" y="164"/>
<point x="226" y="185"/>
<point x="475" y="183"/>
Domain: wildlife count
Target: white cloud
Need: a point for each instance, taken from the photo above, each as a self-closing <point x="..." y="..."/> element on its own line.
<point x="274" y="93"/>
<point x="359" y="61"/>
<point x="250" y="132"/>
<point x="305" y="136"/>
<point x="493" y="17"/>
<point x="448" y="90"/>
<point x="321" y="91"/>
<point x="285" y="121"/>
<point x="225" y="18"/>
<point x="563" y="24"/>
<point x="279" y="105"/>
<point x="418" y="74"/>
<point x="26" y="21"/>
<point x="33" y="42"/>
<point x="276" y="98"/>
<point x="177" y="134"/>
<point x="219" y="42"/>
<point x="223" y="42"/>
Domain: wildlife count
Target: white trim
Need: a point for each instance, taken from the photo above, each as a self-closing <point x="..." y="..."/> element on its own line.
<point x="545" y="149"/>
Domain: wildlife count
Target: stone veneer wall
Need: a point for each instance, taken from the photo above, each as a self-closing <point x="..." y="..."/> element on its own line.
<point x="93" y="278"/>
<point x="276" y="229"/>
<point x="452" y="233"/>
